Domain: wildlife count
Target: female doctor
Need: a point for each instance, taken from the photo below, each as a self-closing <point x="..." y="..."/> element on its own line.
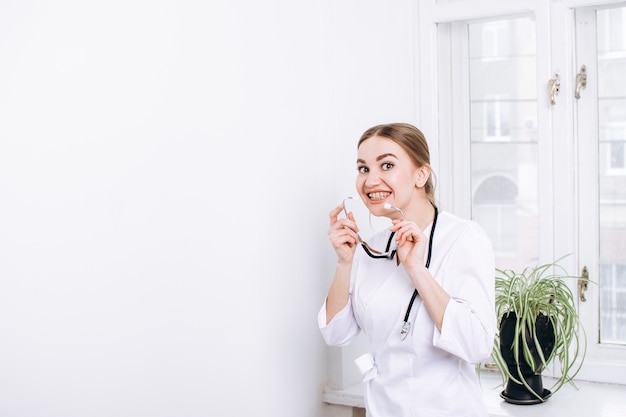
<point x="422" y="291"/>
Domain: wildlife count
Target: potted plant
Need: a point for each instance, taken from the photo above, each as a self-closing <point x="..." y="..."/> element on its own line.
<point x="539" y="323"/>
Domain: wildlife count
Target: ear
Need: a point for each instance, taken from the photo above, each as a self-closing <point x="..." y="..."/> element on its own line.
<point x="421" y="176"/>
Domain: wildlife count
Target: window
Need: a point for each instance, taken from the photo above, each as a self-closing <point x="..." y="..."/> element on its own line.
<point x="616" y="159"/>
<point x="613" y="302"/>
<point x="502" y="84"/>
<point x="544" y="180"/>
<point x="494" y="208"/>
<point x="600" y="117"/>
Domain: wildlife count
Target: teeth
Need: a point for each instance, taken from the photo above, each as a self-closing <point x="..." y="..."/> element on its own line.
<point x="378" y="196"/>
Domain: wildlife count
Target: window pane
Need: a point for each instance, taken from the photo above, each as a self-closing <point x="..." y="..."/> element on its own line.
<point x="502" y="119"/>
<point x="611" y="48"/>
<point x="503" y="123"/>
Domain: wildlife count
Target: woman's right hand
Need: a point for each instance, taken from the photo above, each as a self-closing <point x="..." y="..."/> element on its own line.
<point x="343" y="234"/>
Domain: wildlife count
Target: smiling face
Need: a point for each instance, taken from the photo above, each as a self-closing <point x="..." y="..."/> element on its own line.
<point x="386" y="174"/>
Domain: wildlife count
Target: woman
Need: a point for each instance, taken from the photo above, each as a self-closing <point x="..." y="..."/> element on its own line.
<point x="427" y="307"/>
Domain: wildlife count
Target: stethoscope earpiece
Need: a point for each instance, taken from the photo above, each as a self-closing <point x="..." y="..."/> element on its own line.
<point x="390" y="207"/>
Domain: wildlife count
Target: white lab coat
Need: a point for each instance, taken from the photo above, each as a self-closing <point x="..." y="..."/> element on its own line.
<point x="431" y="373"/>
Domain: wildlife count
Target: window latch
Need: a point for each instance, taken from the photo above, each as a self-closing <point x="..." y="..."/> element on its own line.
<point x="582" y="284"/>
<point x="553" y="88"/>
<point x="581" y="81"/>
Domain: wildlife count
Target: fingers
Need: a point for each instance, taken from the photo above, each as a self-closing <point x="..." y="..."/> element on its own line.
<point x="350" y="221"/>
<point x="343" y="239"/>
<point x="343" y="231"/>
<point x="343" y="234"/>
<point x="334" y="213"/>
<point x="411" y="243"/>
<point x="407" y="232"/>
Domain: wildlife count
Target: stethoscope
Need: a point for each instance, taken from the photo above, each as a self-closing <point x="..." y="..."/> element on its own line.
<point x="406" y="325"/>
<point x="390" y="253"/>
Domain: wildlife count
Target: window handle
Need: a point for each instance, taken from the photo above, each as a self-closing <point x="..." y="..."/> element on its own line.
<point x="553" y="88"/>
<point x="582" y="284"/>
<point x="581" y="81"/>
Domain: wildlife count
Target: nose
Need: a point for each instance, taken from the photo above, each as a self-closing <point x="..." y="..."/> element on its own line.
<point x="372" y="178"/>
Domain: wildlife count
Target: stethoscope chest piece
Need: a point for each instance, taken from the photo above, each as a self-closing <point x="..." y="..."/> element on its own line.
<point x="405" y="329"/>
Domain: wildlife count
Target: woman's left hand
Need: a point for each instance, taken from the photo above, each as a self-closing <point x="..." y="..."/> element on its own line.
<point x="411" y="243"/>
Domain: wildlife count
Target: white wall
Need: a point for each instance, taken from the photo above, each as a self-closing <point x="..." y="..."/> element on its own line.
<point x="166" y="170"/>
<point x="371" y="57"/>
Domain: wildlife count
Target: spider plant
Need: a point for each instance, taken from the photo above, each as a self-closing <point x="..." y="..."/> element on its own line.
<point x="539" y="291"/>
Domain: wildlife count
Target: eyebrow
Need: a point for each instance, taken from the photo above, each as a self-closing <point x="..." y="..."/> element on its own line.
<point x="378" y="158"/>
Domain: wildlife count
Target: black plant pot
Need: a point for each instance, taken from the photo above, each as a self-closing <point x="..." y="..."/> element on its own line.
<point x="514" y="392"/>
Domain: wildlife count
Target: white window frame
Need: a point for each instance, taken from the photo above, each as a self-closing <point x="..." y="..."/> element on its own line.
<point x="604" y="362"/>
<point x="444" y="119"/>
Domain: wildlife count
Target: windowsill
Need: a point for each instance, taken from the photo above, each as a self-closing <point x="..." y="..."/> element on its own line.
<point x="591" y="399"/>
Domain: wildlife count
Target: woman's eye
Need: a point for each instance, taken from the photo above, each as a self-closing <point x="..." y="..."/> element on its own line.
<point x="387" y="166"/>
<point x="362" y="169"/>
